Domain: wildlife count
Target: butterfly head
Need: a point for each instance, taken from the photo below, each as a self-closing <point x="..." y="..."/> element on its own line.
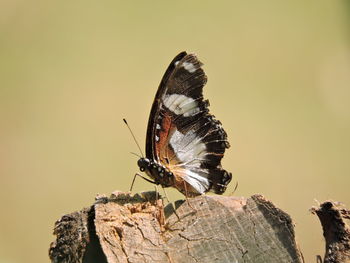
<point x="144" y="164"/>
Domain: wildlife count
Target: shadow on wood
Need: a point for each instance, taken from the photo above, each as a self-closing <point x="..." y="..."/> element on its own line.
<point x="125" y="228"/>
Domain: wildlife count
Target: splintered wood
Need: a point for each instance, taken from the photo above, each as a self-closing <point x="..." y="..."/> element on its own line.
<point x="125" y="228"/>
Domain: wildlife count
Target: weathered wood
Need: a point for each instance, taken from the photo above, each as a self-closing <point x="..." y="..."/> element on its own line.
<point x="333" y="217"/>
<point x="72" y="237"/>
<point x="206" y="228"/>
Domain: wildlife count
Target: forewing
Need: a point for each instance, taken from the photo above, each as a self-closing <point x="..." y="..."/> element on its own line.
<point x="156" y="107"/>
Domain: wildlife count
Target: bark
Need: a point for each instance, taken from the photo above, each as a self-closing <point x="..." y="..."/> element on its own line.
<point x="334" y="218"/>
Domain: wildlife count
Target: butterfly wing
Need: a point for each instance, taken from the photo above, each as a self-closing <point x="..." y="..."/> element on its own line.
<point x="182" y="135"/>
<point x="156" y="107"/>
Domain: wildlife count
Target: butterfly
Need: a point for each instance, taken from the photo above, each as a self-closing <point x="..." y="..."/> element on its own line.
<point x="185" y="143"/>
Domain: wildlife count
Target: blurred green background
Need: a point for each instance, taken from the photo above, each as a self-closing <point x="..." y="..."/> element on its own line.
<point x="279" y="74"/>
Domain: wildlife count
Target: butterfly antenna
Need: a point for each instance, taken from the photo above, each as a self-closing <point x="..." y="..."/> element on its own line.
<point x="133" y="137"/>
<point x="136" y="154"/>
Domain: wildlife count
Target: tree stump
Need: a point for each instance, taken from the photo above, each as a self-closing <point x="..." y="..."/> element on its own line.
<point x="207" y="228"/>
<point x="333" y="217"/>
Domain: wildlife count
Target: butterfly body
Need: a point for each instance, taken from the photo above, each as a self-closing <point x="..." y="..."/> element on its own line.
<point x="160" y="174"/>
<point x="185" y="143"/>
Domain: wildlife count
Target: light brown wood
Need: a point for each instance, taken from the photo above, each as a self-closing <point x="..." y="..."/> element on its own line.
<point x="125" y="228"/>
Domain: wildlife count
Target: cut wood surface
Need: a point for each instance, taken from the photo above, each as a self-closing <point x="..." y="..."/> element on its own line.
<point x="125" y="228"/>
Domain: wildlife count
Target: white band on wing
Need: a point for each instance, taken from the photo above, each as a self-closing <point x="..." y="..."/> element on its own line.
<point x="181" y="105"/>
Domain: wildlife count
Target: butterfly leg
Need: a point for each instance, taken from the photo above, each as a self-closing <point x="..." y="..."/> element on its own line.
<point x="187" y="198"/>
<point x="157" y="192"/>
<point x="137" y="174"/>
<point x="165" y="195"/>
<point x="234" y="190"/>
